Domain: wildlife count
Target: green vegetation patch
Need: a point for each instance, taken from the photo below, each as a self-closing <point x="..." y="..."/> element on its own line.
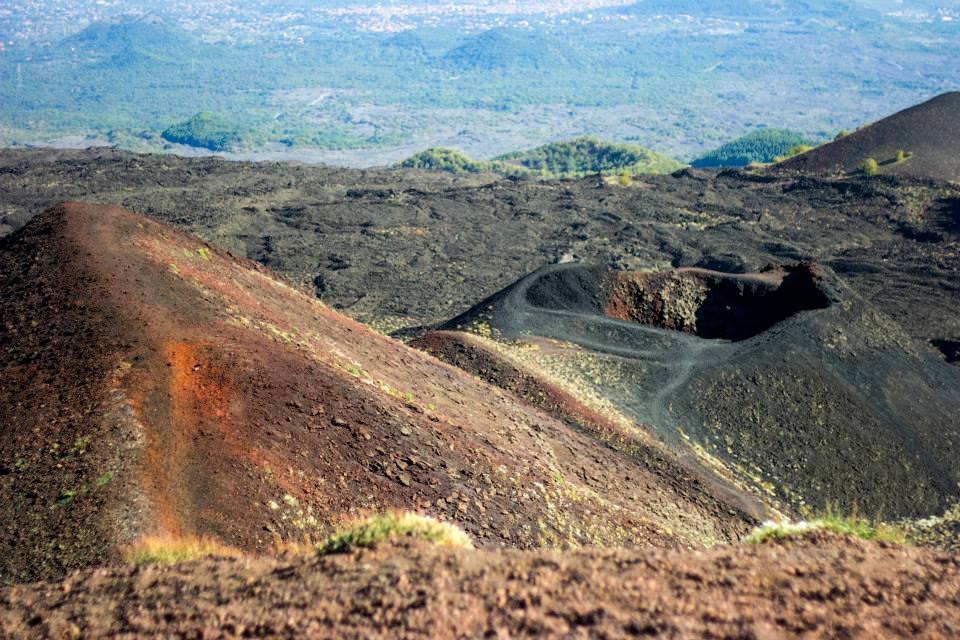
<point x="855" y="526"/>
<point x="869" y="167"/>
<point x="394" y="526"/>
<point x="441" y="159"/>
<point x="205" y="130"/>
<point x="509" y="48"/>
<point x="762" y="147"/>
<point x="568" y="159"/>
<point x="588" y="155"/>
<point x="453" y="161"/>
<point x="66" y="496"/>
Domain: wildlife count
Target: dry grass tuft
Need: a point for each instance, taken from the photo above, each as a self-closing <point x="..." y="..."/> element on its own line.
<point x="394" y="525"/>
<point x="169" y="550"/>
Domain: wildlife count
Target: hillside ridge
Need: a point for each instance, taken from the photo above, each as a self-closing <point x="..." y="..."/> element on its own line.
<point x="158" y="385"/>
<point x="919" y="142"/>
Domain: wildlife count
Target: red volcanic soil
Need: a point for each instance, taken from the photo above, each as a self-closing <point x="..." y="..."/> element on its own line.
<point x="815" y="587"/>
<point x="929" y="131"/>
<point x="154" y="385"/>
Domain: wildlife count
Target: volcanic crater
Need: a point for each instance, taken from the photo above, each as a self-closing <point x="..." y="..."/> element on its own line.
<point x="712" y="304"/>
<point x="745" y="372"/>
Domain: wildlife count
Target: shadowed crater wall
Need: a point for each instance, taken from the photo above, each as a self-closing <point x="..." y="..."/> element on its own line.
<point x="949" y="348"/>
<point x="712" y="304"/>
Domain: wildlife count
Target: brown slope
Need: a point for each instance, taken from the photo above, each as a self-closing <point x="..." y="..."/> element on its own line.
<point x="155" y="385"/>
<point x="930" y="131"/>
<point x="816" y="587"/>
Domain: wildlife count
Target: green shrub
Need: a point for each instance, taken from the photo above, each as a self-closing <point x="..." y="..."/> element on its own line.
<point x="843" y="134"/>
<point x="901" y="156"/>
<point x="394" y="526"/>
<point x="869" y="167"/>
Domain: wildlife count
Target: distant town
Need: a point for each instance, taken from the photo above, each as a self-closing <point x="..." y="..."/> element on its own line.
<point x="31" y="22"/>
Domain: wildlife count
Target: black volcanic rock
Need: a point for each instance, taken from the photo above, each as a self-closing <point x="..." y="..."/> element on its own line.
<point x="417" y="248"/>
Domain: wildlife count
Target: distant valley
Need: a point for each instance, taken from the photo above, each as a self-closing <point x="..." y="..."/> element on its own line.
<point x="326" y="85"/>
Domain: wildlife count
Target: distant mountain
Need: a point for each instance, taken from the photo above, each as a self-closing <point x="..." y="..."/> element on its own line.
<point x="508" y="49"/>
<point x="129" y="33"/>
<point x="928" y="135"/>
<point x="404" y="46"/>
<point x="759" y="146"/>
<point x="125" y="80"/>
<point x="587" y="155"/>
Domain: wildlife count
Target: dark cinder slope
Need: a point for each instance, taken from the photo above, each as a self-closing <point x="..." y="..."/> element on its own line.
<point x="799" y="385"/>
<point x="929" y="133"/>
<point x="401" y="247"/>
<point x="154" y="385"/>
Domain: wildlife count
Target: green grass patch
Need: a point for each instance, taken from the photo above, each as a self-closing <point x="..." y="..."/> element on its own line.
<point x="848" y="525"/>
<point x="800" y="149"/>
<point x="395" y="526"/>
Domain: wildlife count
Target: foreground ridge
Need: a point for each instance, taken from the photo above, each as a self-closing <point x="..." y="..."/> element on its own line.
<point x="816" y="586"/>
